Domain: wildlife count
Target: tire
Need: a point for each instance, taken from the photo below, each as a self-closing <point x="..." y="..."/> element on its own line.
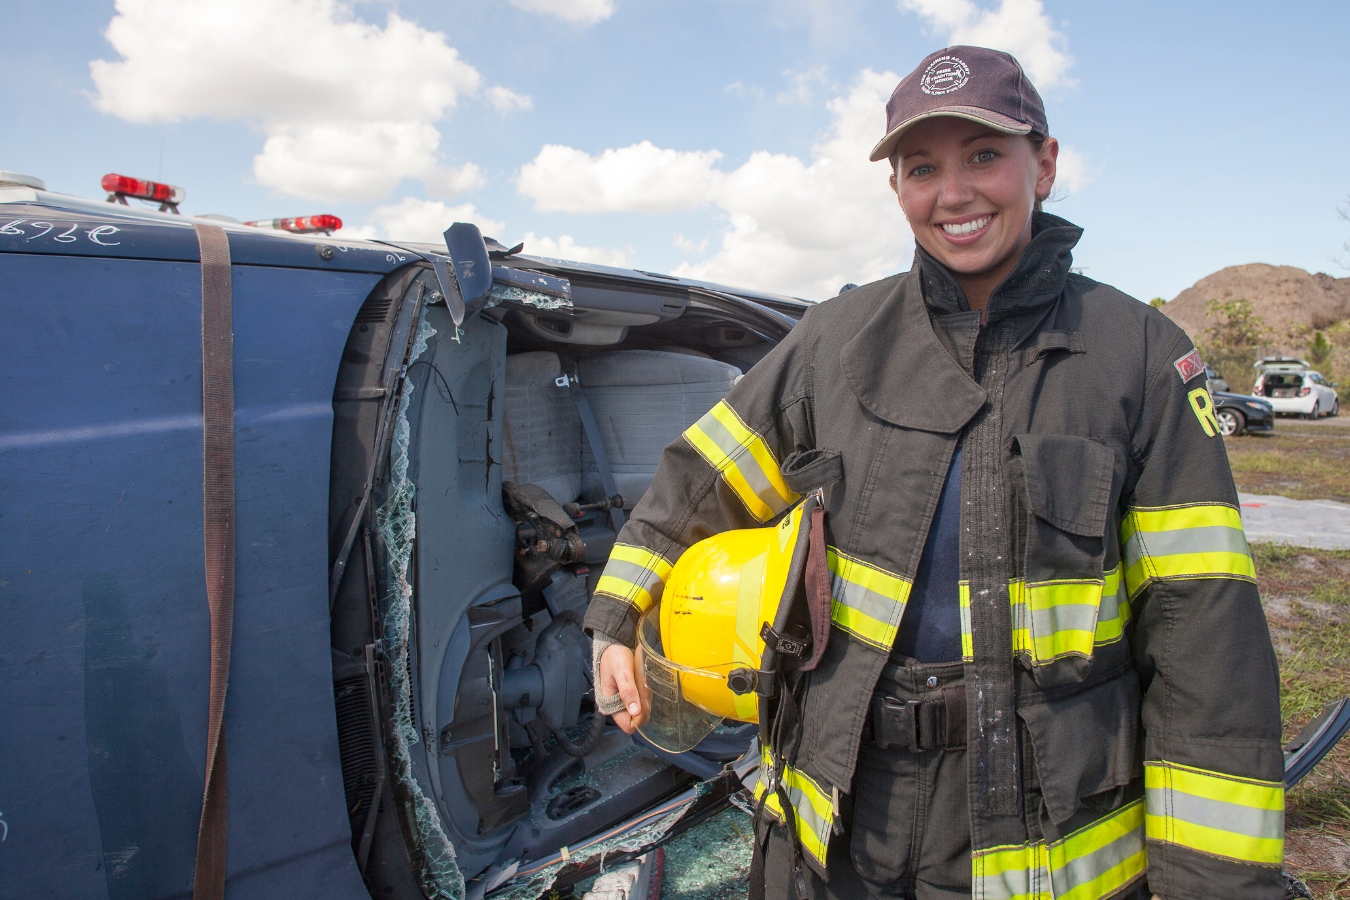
<point x="1231" y="422"/>
<point x="1335" y="407"/>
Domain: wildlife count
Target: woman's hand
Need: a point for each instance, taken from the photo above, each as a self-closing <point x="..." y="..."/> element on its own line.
<point x="618" y="676"/>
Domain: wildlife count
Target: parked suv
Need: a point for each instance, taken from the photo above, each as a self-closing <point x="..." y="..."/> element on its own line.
<point x="1293" y="388"/>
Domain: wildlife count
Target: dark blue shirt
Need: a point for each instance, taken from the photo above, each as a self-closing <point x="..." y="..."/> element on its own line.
<point x="930" y="630"/>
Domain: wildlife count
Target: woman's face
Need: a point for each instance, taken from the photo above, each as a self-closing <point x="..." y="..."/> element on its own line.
<point x="968" y="191"/>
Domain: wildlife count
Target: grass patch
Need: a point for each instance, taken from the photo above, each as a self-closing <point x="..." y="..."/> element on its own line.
<point x="1306" y="594"/>
<point x="1308" y="463"/>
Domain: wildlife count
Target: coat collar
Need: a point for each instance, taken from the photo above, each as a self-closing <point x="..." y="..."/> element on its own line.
<point x="897" y="367"/>
<point x="1037" y="279"/>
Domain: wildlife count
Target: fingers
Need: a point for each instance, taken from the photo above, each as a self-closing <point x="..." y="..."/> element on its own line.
<point x="628" y="691"/>
<point x="617" y="676"/>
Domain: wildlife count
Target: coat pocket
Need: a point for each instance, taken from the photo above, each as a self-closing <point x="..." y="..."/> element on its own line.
<point x="1066" y="488"/>
<point x="1085" y="744"/>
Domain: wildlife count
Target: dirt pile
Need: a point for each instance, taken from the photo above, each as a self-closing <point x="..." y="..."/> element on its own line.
<point x="1287" y="298"/>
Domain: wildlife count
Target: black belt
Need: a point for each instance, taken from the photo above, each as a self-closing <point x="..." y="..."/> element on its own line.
<point x="934" y="723"/>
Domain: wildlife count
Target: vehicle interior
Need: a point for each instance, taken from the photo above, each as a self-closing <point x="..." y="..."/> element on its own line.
<point x="1281" y="384"/>
<point x="469" y="523"/>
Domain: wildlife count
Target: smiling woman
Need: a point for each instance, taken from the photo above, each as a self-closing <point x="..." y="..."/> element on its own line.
<point x="1038" y="662"/>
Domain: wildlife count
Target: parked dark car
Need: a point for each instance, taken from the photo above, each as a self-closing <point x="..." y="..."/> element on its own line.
<point x="420" y="519"/>
<point x="1241" y="413"/>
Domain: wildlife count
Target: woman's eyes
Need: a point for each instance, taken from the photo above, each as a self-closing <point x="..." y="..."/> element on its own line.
<point x="982" y="156"/>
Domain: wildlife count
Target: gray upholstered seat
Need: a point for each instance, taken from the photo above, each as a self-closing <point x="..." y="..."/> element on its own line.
<point x="643" y="400"/>
<point x="542" y="429"/>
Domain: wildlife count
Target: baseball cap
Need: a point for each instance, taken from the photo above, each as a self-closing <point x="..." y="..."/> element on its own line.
<point x="975" y="83"/>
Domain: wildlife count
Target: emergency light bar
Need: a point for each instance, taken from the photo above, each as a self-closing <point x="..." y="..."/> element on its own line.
<point x="120" y="187"/>
<point x="302" y="224"/>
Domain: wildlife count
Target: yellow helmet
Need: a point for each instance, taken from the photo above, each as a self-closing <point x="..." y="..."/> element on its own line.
<point x="707" y="629"/>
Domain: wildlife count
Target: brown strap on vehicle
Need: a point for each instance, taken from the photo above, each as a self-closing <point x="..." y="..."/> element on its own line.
<point x="208" y="882"/>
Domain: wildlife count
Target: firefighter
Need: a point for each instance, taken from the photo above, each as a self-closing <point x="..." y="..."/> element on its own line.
<point x="1046" y="671"/>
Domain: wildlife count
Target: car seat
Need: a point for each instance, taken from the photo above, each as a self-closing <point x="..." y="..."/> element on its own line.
<point x="643" y="400"/>
<point x="542" y="430"/>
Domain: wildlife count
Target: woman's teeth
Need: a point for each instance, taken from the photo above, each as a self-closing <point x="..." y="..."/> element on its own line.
<point x="967" y="227"/>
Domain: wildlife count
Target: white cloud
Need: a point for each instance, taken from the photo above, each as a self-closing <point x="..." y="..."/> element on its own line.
<point x="687" y="245"/>
<point x="505" y="99"/>
<point x="566" y="248"/>
<point x="642" y="177"/>
<point x="804" y="227"/>
<point x="743" y="90"/>
<point x="1071" y="175"/>
<point x="581" y="12"/>
<point x="414" y="219"/>
<point x="802" y="85"/>
<point x="1019" y="27"/>
<point x="348" y="108"/>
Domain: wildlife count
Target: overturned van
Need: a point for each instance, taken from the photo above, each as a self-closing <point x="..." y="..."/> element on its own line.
<point x="433" y="449"/>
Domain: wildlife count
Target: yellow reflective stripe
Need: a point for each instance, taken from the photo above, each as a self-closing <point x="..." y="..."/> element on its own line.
<point x="813" y="810"/>
<point x="1054" y="619"/>
<point x="967" y="636"/>
<point x="634" y="575"/>
<point x="1115" y="610"/>
<point x="743" y="460"/>
<point x="867" y="601"/>
<point x="1222" y="815"/>
<point x="746" y="646"/>
<point x="1093" y="862"/>
<point x="1195" y="541"/>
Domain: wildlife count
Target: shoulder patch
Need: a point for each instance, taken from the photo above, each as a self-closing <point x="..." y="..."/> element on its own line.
<point x="1189" y="366"/>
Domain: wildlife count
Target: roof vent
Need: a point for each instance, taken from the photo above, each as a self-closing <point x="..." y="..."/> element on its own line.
<point x="20" y="180"/>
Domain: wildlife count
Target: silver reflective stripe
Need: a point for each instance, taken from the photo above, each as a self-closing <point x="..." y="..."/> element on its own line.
<point x="1110" y="608"/>
<point x="867" y="602"/>
<point x="1085" y="869"/>
<point x="1014" y="884"/>
<point x="801" y="805"/>
<point x="1232" y="817"/>
<point x="1064" y="617"/>
<point x="1205" y="539"/>
<point x="632" y="573"/>
<point x="743" y="460"/>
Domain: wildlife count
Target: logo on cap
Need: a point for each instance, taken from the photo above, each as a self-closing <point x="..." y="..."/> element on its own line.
<point x="944" y="75"/>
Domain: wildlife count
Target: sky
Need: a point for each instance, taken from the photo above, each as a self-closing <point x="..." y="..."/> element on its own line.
<point x="718" y="139"/>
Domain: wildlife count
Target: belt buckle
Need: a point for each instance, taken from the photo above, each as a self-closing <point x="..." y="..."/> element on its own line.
<point x="896" y="723"/>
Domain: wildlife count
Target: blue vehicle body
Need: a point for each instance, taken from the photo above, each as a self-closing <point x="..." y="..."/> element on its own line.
<point x="104" y="675"/>
<point x="104" y="669"/>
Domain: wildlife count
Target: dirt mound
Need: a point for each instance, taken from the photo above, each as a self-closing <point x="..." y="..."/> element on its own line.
<point x="1284" y="296"/>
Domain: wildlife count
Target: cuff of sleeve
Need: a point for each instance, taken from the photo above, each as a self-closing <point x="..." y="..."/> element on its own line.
<point x="612" y="618"/>
<point x="1179" y="873"/>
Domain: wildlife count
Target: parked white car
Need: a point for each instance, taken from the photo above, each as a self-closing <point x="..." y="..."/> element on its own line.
<point x="1293" y="388"/>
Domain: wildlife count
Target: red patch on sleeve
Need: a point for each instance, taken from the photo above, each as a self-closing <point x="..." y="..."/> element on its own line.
<point x="1189" y="366"/>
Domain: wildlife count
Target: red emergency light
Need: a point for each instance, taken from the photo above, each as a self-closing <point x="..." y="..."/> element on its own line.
<point x="120" y="187"/>
<point x="302" y="224"/>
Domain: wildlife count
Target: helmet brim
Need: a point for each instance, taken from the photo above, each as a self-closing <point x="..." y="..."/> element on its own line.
<point x="674" y="723"/>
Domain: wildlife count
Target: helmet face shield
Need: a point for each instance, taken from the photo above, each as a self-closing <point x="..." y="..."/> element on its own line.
<point x="675" y="723"/>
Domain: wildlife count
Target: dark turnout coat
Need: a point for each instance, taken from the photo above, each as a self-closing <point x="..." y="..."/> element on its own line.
<point x="1123" y="714"/>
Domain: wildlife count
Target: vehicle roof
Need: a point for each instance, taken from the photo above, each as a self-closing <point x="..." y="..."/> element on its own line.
<point x="142" y="233"/>
<point x="1281" y="364"/>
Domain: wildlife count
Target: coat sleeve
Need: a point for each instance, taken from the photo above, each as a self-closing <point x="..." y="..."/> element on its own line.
<point x="721" y="473"/>
<point x="1213" y="767"/>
